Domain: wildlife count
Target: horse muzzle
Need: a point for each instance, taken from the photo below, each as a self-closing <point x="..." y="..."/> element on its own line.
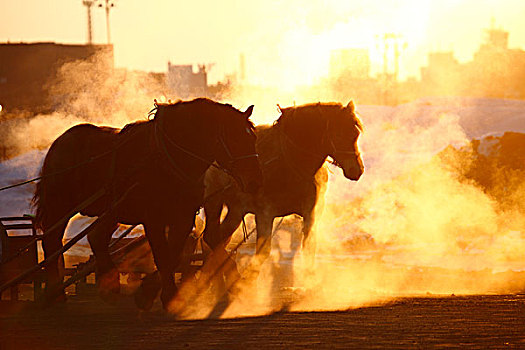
<point x="352" y="170"/>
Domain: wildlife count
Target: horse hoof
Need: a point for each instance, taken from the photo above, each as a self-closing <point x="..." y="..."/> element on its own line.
<point x="148" y="291"/>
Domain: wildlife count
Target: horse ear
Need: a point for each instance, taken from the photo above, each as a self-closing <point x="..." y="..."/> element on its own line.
<point x="248" y="112"/>
<point x="351" y="106"/>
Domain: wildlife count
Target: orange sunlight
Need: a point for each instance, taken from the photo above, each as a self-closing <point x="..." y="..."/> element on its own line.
<point x="413" y="224"/>
<point x="287" y="44"/>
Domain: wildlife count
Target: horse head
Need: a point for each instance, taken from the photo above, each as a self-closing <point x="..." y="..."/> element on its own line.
<point x="343" y="130"/>
<point x="236" y="150"/>
<point x="203" y="131"/>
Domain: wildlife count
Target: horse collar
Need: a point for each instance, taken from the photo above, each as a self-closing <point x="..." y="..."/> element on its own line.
<point x="173" y="166"/>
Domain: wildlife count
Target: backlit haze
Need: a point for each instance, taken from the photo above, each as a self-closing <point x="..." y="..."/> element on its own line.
<point x="285" y="43"/>
<point x="388" y="234"/>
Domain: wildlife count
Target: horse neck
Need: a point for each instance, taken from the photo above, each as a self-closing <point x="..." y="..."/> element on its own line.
<point x="189" y="151"/>
<point x="301" y="142"/>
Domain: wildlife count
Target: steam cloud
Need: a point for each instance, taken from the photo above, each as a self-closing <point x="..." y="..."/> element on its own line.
<point x="84" y="91"/>
<point x="411" y="224"/>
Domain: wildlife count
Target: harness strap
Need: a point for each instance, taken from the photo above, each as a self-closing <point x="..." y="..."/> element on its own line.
<point x="87" y="161"/>
<point x="68" y="245"/>
<point x="160" y="141"/>
<point x="53" y="228"/>
<point x="174" y="167"/>
<point x="314" y="154"/>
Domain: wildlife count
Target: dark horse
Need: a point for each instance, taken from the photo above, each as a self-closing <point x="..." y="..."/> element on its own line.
<point x="291" y="153"/>
<point x="154" y="168"/>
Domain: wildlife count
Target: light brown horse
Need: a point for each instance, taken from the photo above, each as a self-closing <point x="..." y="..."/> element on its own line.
<point x="291" y="153"/>
<point x="157" y="170"/>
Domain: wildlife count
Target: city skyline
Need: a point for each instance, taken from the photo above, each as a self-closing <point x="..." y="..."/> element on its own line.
<point x="285" y="43"/>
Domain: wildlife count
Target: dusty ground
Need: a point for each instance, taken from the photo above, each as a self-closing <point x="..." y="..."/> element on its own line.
<point x="482" y="322"/>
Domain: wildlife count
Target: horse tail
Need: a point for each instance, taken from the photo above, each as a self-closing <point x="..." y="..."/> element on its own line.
<point x="40" y="201"/>
<point x="37" y="203"/>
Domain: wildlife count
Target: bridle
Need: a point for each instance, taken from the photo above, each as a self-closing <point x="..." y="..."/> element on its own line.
<point x="354" y="152"/>
<point x="325" y="137"/>
<point x="231" y="158"/>
<point x="161" y="137"/>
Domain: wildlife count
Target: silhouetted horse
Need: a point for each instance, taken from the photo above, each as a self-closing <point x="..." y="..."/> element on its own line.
<point x="291" y="154"/>
<point x="158" y="165"/>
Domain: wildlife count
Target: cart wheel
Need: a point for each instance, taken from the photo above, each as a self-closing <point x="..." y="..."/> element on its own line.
<point x="3" y="243"/>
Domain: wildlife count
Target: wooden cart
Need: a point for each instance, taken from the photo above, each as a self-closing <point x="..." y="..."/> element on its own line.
<point x="19" y="259"/>
<point x="19" y="236"/>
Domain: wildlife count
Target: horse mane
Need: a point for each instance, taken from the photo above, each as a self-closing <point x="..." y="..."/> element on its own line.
<point x="288" y="112"/>
<point x="159" y="106"/>
<point x="132" y="126"/>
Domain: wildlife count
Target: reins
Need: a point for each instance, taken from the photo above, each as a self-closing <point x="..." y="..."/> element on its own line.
<point x="91" y="159"/>
<point x="160" y="141"/>
<point x="58" y="172"/>
<point x="324" y="137"/>
<point x="290" y="162"/>
<point x="173" y="164"/>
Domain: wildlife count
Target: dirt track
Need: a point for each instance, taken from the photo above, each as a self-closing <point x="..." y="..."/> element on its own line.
<point x="495" y="321"/>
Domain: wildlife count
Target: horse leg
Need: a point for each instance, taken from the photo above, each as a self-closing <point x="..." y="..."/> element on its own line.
<point x="222" y="267"/>
<point x="152" y="284"/>
<point x="108" y="277"/>
<point x="167" y="254"/>
<point x="51" y="243"/>
<point x="309" y="242"/>
<point x="230" y="223"/>
<point x="211" y="233"/>
<point x="264" y="224"/>
<point x="178" y="234"/>
<point x="212" y="236"/>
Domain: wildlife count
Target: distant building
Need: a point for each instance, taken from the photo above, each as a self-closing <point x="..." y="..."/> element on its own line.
<point x="350" y="76"/>
<point x="27" y="69"/>
<point x="350" y="63"/>
<point x="185" y="83"/>
<point x="495" y="71"/>
<point x="442" y="76"/>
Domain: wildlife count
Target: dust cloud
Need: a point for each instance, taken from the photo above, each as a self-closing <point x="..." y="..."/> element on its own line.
<point x="84" y="91"/>
<point x="414" y="224"/>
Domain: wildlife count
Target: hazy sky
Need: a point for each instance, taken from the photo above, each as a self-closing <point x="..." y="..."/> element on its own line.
<point x="285" y="42"/>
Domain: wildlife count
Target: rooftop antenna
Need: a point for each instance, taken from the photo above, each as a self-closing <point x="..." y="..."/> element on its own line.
<point x="107" y="6"/>
<point x="88" y="4"/>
